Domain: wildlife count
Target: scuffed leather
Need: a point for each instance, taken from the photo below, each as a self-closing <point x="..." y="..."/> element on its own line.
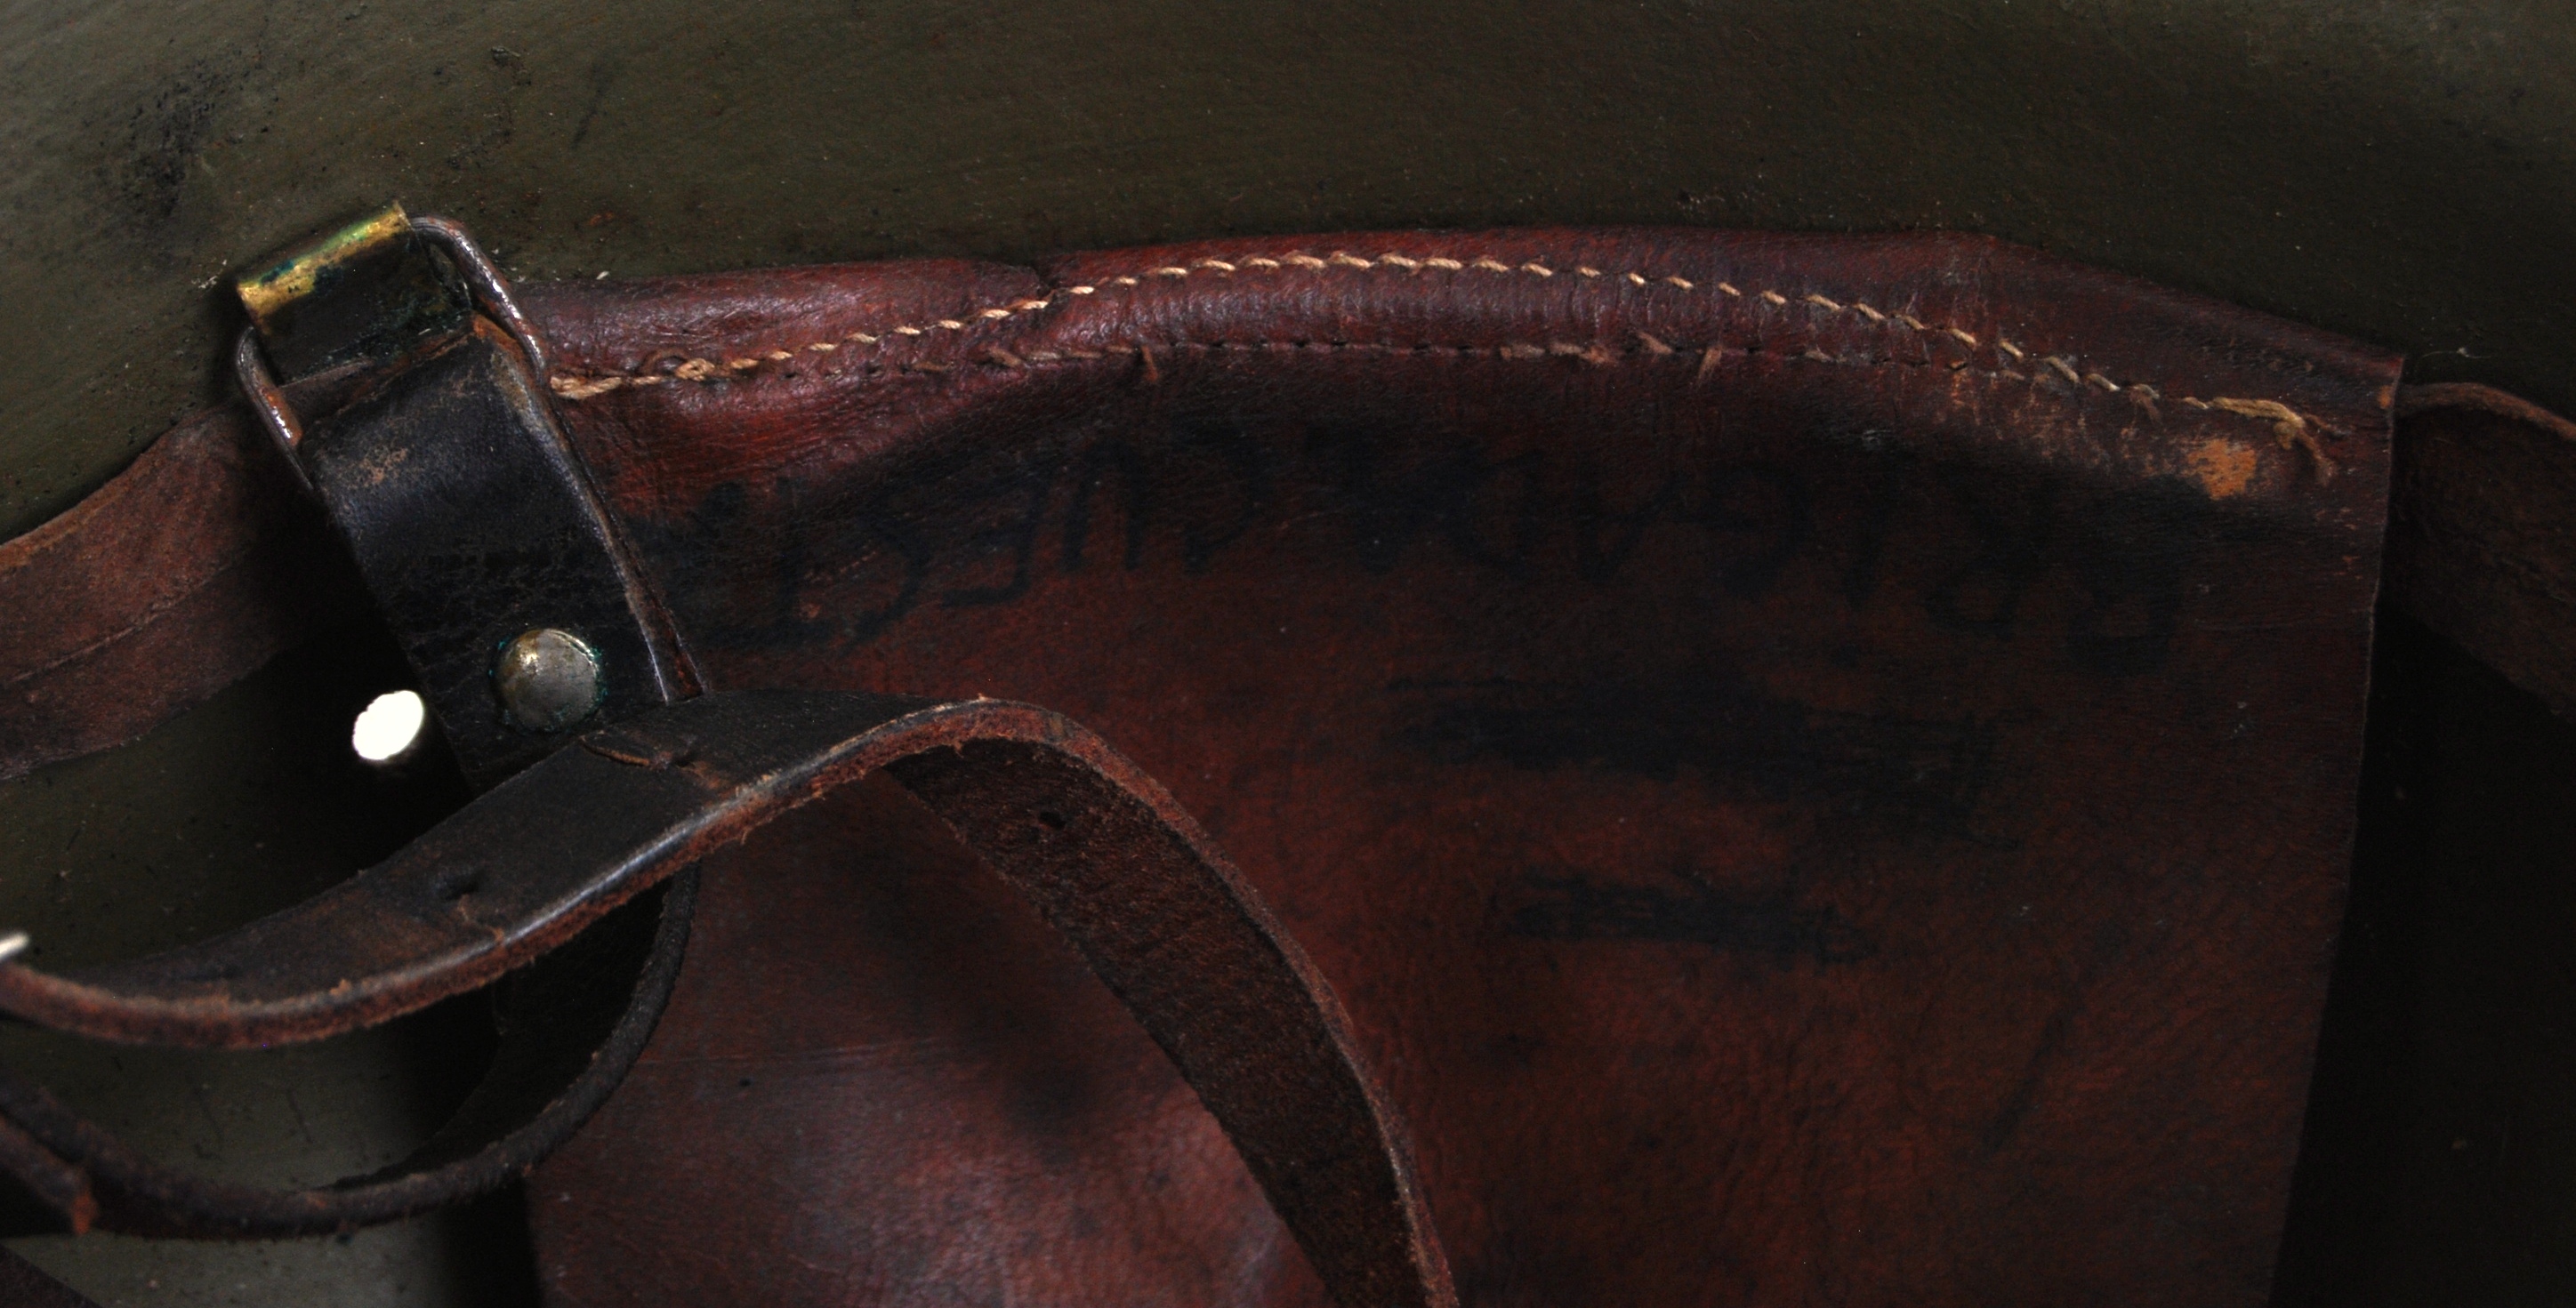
<point x="1820" y="766"/>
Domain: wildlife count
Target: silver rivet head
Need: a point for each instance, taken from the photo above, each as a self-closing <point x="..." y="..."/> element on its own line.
<point x="548" y="679"/>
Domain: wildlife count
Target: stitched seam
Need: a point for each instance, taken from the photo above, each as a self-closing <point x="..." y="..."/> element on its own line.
<point x="1601" y="353"/>
<point x="2290" y="427"/>
<point x="150" y="615"/>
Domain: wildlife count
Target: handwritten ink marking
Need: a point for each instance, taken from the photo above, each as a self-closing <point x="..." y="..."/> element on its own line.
<point x="1901" y="773"/>
<point x="1771" y="929"/>
<point x="845" y="560"/>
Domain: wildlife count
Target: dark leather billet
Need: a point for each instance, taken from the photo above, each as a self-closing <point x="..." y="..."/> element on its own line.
<point x="1821" y="767"/>
<point x="472" y="523"/>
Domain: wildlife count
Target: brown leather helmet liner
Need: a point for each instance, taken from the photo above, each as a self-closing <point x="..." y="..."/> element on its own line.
<point x="1821" y="768"/>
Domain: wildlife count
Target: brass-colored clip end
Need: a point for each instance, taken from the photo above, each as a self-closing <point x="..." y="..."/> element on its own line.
<point x="270" y="292"/>
<point x="370" y="292"/>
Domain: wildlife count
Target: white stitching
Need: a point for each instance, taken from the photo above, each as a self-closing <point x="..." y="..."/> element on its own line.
<point x="2289" y="426"/>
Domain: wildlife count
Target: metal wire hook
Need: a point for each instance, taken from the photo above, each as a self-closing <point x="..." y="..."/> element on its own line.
<point x="491" y="293"/>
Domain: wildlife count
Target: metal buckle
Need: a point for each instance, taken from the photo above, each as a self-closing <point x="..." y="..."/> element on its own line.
<point x="355" y="266"/>
<point x="451" y="480"/>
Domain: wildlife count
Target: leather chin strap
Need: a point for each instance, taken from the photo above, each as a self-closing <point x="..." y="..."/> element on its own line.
<point x="572" y="1025"/>
<point x="1105" y="855"/>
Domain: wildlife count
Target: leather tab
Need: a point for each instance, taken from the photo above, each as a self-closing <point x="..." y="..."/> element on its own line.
<point x="473" y="525"/>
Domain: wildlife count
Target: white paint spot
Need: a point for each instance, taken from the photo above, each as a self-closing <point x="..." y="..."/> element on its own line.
<point x="388" y="727"/>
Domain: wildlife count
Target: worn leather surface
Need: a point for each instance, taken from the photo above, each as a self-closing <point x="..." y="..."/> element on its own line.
<point x="1821" y="767"/>
<point x="2381" y="171"/>
<point x="2387" y="172"/>
<point x="974" y="1116"/>
<point x="180" y="577"/>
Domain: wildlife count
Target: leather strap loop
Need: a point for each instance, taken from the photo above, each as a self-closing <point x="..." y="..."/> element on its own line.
<point x="1108" y="858"/>
<point x="575" y="1025"/>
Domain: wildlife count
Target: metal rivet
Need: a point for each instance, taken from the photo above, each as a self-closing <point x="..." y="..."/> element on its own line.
<point x="548" y="679"/>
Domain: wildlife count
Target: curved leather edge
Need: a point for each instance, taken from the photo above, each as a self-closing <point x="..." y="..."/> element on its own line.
<point x="24" y="1285"/>
<point x="182" y="575"/>
<point x="2482" y="531"/>
<point x="194" y="566"/>
<point x="675" y="386"/>
<point x="1106" y="855"/>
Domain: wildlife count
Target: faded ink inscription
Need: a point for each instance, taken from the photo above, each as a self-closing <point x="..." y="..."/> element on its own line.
<point x="1688" y="912"/>
<point x="966" y="527"/>
<point x="1898" y="773"/>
